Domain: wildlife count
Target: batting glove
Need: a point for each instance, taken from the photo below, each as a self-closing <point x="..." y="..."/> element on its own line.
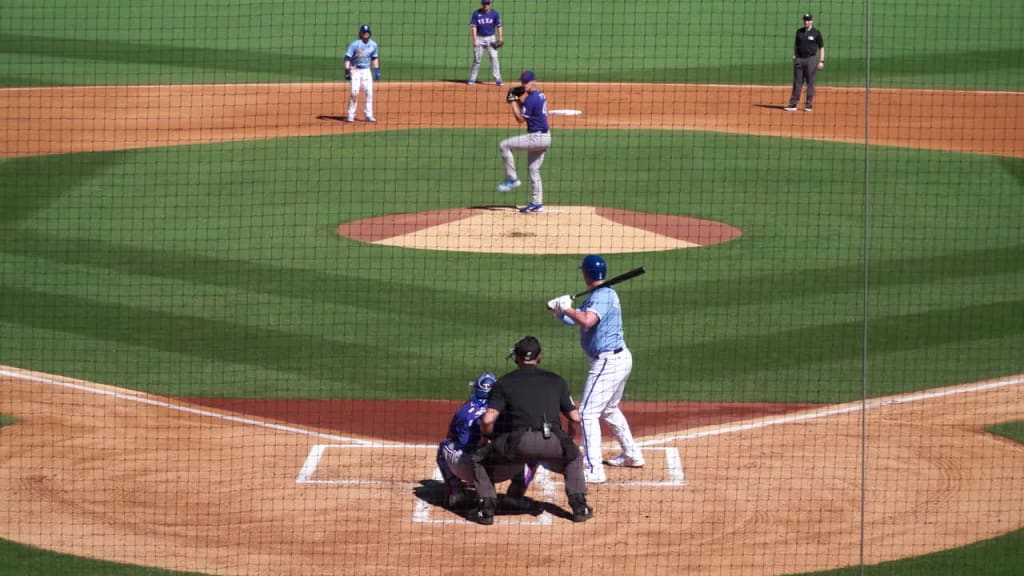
<point x="376" y="73"/>
<point x="564" y="302"/>
<point x="348" y="74"/>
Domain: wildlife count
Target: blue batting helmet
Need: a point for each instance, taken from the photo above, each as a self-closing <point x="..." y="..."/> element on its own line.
<point x="482" y="385"/>
<point x="594" y="267"/>
<point x="364" y="28"/>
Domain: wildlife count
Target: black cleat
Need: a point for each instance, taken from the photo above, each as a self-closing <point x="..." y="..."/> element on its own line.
<point x="581" y="511"/>
<point x="484" y="511"/>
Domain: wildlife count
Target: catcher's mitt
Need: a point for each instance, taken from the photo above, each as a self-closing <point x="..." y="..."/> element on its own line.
<point x="499" y="43"/>
<point x="514" y="93"/>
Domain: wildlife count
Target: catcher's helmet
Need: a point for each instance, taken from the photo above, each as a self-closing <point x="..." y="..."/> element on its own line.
<point x="364" y="28"/>
<point x="482" y="385"/>
<point x="594" y="267"/>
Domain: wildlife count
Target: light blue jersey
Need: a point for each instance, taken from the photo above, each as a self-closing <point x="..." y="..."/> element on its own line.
<point x="606" y="335"/>
<point x="360" y="53"/>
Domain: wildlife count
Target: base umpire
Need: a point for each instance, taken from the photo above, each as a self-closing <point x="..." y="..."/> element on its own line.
<point x="523" y="425"/>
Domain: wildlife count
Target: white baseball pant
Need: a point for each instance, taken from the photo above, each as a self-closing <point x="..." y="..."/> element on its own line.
<point x="362" y="78"/>
<point x="485" y="42"/>
<point x="602" y="393"/>
<point x="535" y="145"/>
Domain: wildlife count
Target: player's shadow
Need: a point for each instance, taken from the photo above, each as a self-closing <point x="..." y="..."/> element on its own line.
<point x="330" y="117"/>
<point x="433" y="492"/>
<point x="770" y="106"/>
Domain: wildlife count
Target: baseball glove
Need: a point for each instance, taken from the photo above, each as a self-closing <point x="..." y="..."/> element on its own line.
<point x="499" y="43"/>
<point x="514" y="93"/>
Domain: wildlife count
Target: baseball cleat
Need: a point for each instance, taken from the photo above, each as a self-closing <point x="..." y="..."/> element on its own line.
<point x="808" y="109"/>
<point x="790" y="108"/>
<point x="484" y="512"/>
<point x="531" y="207"/>
<point x="594" y="477"/>
<point x="470" y="82"/>
<point x="349" y="119"/>
<point x="623" y="461"/>
<point x="581" y="511"/>
<point x="500" y="83"/>
<point x="508" y="184"/>
<point x="371" y="119"/>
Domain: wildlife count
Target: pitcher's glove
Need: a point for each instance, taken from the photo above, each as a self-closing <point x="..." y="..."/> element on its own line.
<point x="499" y="43"/>
<point x="514" y="93"/>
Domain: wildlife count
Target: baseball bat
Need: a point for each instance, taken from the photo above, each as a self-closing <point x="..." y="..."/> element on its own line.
<point x="613" y="281"/>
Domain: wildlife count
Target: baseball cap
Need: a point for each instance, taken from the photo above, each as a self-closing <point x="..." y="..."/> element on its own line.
<point x="527" y="76"/>
<point x="808" y="16"/>
<point x="527" y="349"/>
<point x="485" y="1"/>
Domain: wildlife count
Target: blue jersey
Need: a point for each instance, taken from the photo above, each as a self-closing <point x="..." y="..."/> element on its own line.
<point x="606" y="335"/>
<point x="486" y="23"/>
<point x="535" y="111"/>
<point x="464" y="428"/>
<point x="361" y="53"/>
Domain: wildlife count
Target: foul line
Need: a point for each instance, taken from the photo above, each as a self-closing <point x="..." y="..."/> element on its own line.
<point x="717" y="431"/>
<point x="135" y="397"/>
<point x="841" y="409"/>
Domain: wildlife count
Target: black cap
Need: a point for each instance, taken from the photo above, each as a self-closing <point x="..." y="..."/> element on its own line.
<point x="808" y="16"/>
<point x="527" y="349"/>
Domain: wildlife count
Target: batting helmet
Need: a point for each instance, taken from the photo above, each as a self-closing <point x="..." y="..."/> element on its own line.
<point x="364" y="28"/>
<point x="482" y="385"/>
<point x="594" y="267"/>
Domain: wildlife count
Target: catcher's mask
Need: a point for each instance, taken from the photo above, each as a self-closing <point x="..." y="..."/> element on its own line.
<point x="526" y="349"/>
<point x="482" y="385"/>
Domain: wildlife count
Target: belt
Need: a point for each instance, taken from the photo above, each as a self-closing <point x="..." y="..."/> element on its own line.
<point x="608" y="353"/>
<point x="362" y="67"/>
<point x="539" y="132"/>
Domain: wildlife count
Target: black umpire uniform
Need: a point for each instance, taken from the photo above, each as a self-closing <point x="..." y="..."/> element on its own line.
<point x="806" y="62"/>
<point x="524" y="426"/>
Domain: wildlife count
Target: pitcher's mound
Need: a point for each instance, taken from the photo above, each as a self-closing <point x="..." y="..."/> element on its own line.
<point x="557" y="230"/>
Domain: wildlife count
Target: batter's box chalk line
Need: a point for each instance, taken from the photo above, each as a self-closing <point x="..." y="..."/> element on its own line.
<point x="423" y="512"/>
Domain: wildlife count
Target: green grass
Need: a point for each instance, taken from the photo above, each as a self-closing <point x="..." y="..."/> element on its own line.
<point x="1002" y="556"/>
<point x="935" y="44"/>
<point x="215" y="270"/>
<point x="20" y="560"/>
<point x="7" y="420"/>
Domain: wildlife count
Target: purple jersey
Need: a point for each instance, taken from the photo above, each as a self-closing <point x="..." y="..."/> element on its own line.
<point x="464" y="428"/>
<point x="535" y="111"/>
<point x="486" y="23"/>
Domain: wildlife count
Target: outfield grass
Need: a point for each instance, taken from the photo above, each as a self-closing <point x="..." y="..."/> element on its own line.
<point x="215" y="270"/>
<point x="7" y="420"/>
<point x="913" y="44"/>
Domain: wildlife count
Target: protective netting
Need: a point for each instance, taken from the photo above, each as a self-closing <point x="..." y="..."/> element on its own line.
<point x="238" y="310"/>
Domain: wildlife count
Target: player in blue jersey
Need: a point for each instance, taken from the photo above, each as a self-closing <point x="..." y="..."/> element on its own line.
<point x="454" y="453"/>
<point x="361" y="60"/>
<point x="488" y="34"/>
<point x="599" y="320"/>
<point x="533" y="111"/>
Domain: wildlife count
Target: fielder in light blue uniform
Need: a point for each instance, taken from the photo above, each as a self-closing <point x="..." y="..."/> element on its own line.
<point x="455" y="452"/>
<point x="360" y="58"/>
<point x="599" y="319"/>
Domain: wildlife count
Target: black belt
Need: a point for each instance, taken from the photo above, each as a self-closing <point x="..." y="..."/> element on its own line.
<point x="609" y="352"/>
<point x="362" y="67"/>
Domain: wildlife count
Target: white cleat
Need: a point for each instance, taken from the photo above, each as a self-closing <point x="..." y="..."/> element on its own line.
<point x="623" y="461"/>
<point x="594" y="476"/>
